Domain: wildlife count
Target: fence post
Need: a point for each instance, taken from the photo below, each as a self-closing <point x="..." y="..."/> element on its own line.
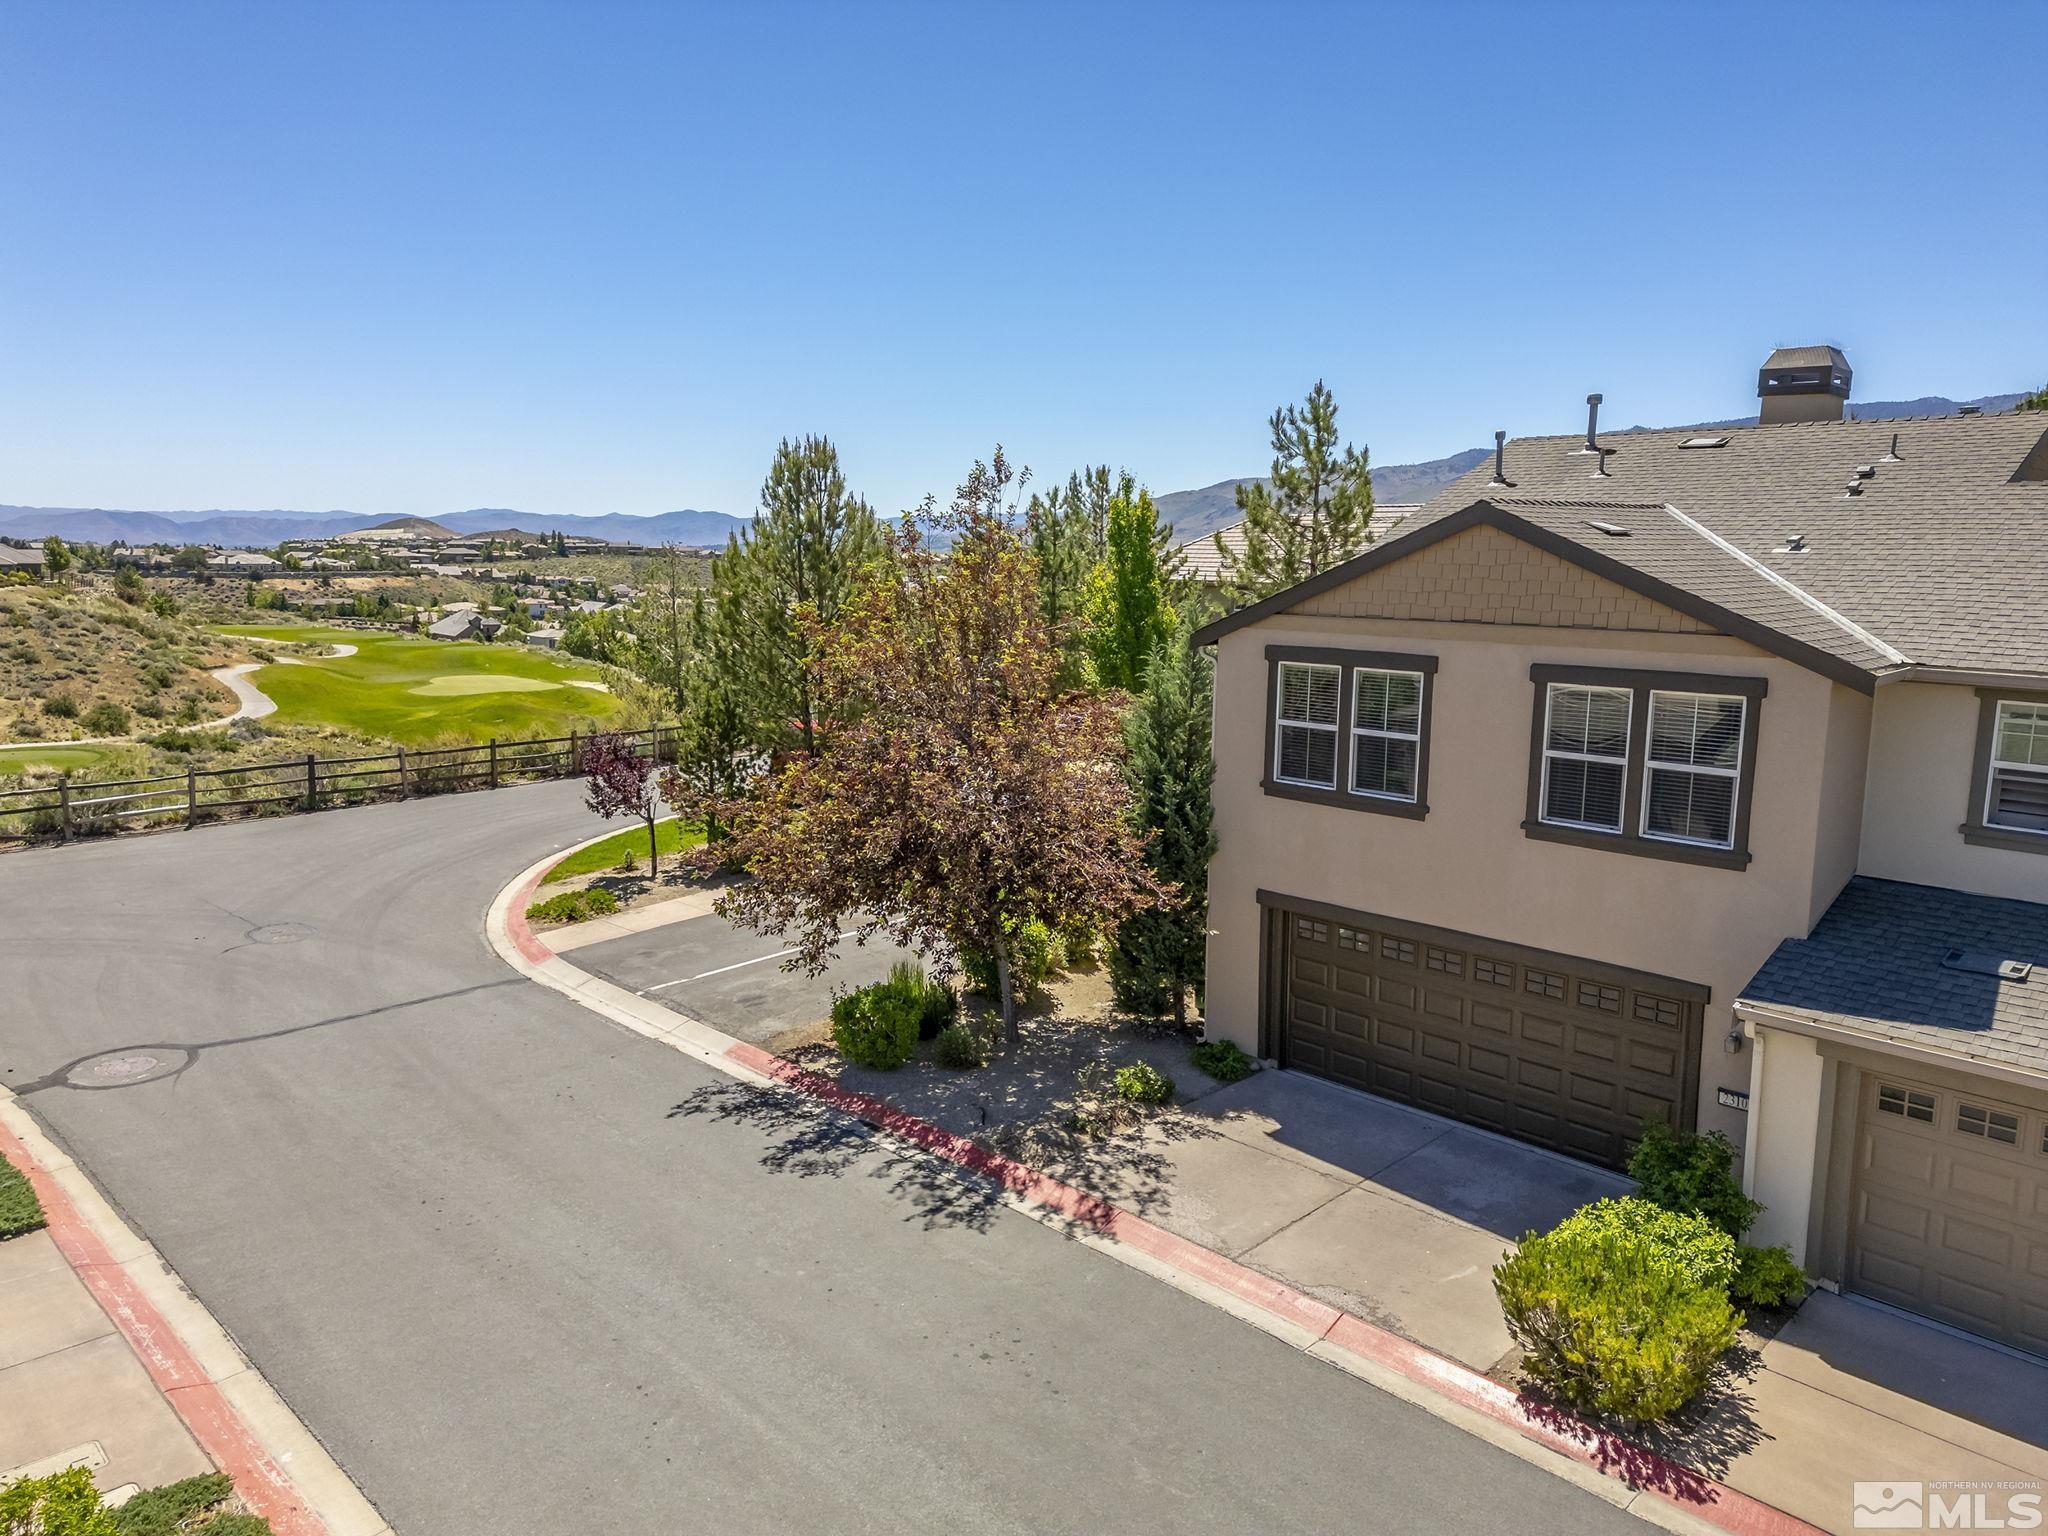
<point x="312" y="784"/>
<point x="402" y="791"/>
<point x="191" y="797"/>
<point x="575" y="758"/>
<point x="64" y="806"/>
<point x="494" y="762"/>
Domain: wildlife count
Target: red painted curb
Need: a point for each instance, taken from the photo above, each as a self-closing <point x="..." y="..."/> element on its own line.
<point x="205" y="1411"/>
<point x="516" y="925"/>
<point x="1701" y="1496"/>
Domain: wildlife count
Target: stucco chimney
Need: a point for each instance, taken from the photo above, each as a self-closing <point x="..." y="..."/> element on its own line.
<point x="1803" y="384"/>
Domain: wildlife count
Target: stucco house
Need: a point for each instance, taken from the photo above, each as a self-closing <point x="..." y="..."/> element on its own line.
<point x="1693" y="774"/>
<point x="15" y="560"/>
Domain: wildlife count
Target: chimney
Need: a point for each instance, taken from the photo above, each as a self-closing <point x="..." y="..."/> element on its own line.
<point x="1802" y="384"/>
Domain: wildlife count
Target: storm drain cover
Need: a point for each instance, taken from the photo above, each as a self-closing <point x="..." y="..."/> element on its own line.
<point x="280" y="933"/>
<point x="118" y="1069"/>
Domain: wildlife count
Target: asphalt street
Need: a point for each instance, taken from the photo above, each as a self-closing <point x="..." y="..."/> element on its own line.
<point x="734" y="978"/>
<point x="525" y="1272"/>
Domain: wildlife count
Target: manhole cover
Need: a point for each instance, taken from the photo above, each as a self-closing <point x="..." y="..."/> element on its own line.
<point x="280" y="933"/>
<point x="118" y="1069"/>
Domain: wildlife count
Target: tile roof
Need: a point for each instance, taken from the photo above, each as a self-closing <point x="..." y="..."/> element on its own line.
<point x="1941" y="555"/>
<point x="1873" y="966"/>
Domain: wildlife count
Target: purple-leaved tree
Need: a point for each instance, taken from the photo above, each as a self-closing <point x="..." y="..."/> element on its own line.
<point x="621" y="783"/>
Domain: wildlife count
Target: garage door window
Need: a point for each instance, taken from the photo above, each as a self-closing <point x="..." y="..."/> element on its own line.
<point x="1905" y="1103"/>
<point x="1585" y="757"/>
<point x="1991" y="1124"/>
<point x="1307" y="727"/>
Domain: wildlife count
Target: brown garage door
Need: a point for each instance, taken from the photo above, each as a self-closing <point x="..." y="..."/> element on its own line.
<point x="1949" y="1212"/>
<point x="1559" y="1051"/>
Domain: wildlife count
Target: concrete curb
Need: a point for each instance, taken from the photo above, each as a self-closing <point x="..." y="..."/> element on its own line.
<point x="281" y="1471"/>
<point x="1645" y="1483"/>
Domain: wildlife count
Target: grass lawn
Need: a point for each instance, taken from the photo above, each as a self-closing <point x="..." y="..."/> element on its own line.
<point x="20" y="1211"/>
<point x="15" y="761"/>
<point x="669" y="837"/>
<point x="409" y="690"/>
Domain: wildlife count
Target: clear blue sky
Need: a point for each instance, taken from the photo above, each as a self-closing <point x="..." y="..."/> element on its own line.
<point x="587" y="257"/>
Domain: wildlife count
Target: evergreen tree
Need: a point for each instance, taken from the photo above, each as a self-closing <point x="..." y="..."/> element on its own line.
<point x="803" y="555"/>
<point x="1160" y="951"/>
<point x="56" y="556"/>
<point x="716" y="756"/>
<point x="2037" y="401"/>
<point x="1129" y="607"/>
<point x="1316" y="513"/>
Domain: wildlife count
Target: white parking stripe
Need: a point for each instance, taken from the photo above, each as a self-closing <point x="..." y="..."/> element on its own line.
<point x="736" y="966"/>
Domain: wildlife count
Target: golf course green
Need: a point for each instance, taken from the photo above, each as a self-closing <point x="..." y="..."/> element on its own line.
<point x="409" y="690"/>
<point x="15" y="761"/>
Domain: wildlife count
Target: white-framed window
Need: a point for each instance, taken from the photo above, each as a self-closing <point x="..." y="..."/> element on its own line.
<point x="1692" y="768"/>
<point x="2016" y="794"/>
<point x="1585" y="756"/>
<point x="1305" y="724"/>
<point x="1386" y="732"/>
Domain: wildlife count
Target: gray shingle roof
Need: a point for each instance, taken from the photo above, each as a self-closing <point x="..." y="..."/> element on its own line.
<point x="1942" y="554"/>
<point x="1203" y="562"/>
<point x="1806" y="357"/>
<point x="1873" y="964"/>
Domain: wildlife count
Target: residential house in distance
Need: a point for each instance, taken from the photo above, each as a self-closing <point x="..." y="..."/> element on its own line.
<point x="1692" y="775"/>
<point x="244" y="562"/>
<point x="547" y="638"/>
<point x="1204" y="562"/>
<point x="465" y="623"/>
<point x="17" y="561"/>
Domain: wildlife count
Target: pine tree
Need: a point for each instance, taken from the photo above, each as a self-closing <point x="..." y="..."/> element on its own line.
<point x="1129" y="606"/>
<point x="716" y="753"/>
<point x="1316" y="513"/>
<point x="1066" y="530"/>
<point x="804" y="553"/>
<point x="1160" y="951"/>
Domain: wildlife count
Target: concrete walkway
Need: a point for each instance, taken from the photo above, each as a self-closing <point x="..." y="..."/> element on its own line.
<point x="251" y="703"/>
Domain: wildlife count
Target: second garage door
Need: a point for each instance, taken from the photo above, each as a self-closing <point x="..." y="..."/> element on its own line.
<point x="1562" y="1052"/>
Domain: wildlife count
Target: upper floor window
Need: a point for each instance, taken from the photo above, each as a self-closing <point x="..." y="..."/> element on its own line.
<point x="2009" y="789"/>
<point x="1307" y="728"/>
<point x="1652" y="763"/>
<point x="1386" y="732"/>
<point x="1349" y="728"/>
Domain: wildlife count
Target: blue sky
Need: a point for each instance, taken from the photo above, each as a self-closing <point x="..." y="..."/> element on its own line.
<point x="599" y="257"/>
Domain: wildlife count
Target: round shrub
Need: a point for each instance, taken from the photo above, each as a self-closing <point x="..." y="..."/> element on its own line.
<point x="1622" y="1308"/>
<point x="574" y="906"/>
<point x="935" y="1004"/>
<point x="1767" y="1277"/>
<point x="1143" y="1084"/>
<point x="1682" y="1171"/>
<point x="1036" y="952"/>
<point x="960" y="1047"/>
<point x="1224" y="1060"/>
<point x="875" y="1027"/>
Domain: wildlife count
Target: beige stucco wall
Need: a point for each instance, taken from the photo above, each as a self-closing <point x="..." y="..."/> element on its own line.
<point x="1923" y="740"/>
<point x="1469" y="867"/>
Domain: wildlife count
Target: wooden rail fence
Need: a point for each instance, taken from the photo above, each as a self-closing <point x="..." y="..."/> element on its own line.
<point x="69" y="808"/>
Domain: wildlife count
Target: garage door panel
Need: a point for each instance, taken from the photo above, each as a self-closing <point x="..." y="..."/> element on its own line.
<point x="1565" y="1054"/>
<point x="1950" y="1223"/>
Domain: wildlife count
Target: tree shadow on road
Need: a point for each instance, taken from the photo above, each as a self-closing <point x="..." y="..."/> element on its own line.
<point x="809" y="1140"/>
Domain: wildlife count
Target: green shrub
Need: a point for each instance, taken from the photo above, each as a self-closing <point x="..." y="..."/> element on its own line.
<point x="105" y="718"/>
<point x="1622" y="1308"/>
<point x="875" y="1027"/>
<point x="20" y="1211"/>
<point x="1080" y="943"/>
<point x="1224" y="1060"/>
<point x="935" y="1003"/>
<point x="574" y="906"/>
<point x="159" y="1511"/>
<point x="1036" y="952"/>
<point x="961" y="1047"/>
<point x="1682" y="1171"/>
<point x="1766" y="1277"/>
<point x="1136" y="989"/>
<point x="61" y="706"/>
<point x="63" y="1504"/>
<point x="1143" y="1084"/>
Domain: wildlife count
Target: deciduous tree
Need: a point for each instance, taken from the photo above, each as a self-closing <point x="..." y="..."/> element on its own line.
<point x="1317" y="511"/>
<point x="961" y="791"/>
<point x="620" y="782"/>
<point x="56" y="556"/>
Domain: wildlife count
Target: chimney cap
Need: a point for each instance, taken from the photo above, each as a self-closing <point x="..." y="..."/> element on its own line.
<point x="1805" y="371"/>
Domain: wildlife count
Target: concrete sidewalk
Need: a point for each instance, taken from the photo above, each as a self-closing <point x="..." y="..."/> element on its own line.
<point x="1397" y="1217"/>
<point x="72" y="1392"/>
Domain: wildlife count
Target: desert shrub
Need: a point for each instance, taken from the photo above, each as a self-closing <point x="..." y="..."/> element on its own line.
<point x="1143" y="1083"/>
<point x="60" y="706"/>
<point x="961" y="1047"/>
<point x="875" y="1027"/>
<point x="160" y="1511"/>
<point x="1622" y="1308"/>
<point x="1766" y="1277"/>
<point x="63" y="1504"/>
<point x="934" y="1001"/>
<point x="630" y="864"/>
<point x="1224" y="1060"/>
<point x="574" y="906"/>
<point x="1080" y="943"/>
<point x="20" y="1211"/>
<point x="1684" y="1171"/>
<point x="105" y="718"/>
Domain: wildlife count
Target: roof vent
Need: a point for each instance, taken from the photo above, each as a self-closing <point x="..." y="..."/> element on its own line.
<point x="1612" y="530"/>
<point x="1592" y="424"/>
<point x="1795" y="544"/>
<point x="1978" y="963"/>
<point x="1892" y="457"/>
<point x="1704" y="442"/>
<point x="1802" y="384"/>
<point x="1865" y="471"/>
<point x="1969" y="410"/>
<point x="1500" y="460"/>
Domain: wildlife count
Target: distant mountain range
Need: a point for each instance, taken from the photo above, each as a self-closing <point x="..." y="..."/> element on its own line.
<point x="1191" y="514"/>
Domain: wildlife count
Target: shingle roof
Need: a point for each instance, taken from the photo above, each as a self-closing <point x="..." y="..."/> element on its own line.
<point x="1806" y="357"/>
<point x="9" y="555"/>
<point x="1203" y="562"/>
<point x="1942" y="554"/>
<point x="1873" y="966"/>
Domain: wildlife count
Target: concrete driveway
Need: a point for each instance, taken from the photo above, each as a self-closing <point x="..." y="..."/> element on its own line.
<point x="522" y="1271"/>
<point x="733" y="978"/>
